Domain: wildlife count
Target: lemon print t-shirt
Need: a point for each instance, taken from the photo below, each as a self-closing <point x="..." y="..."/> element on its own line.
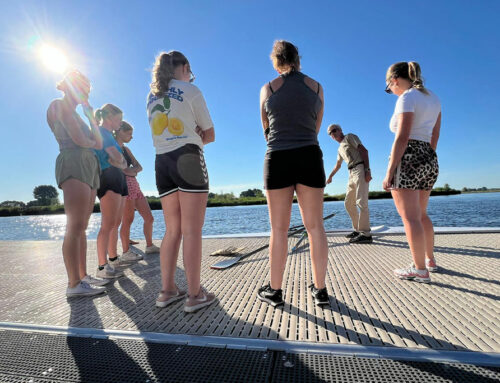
<point x="174" y="116"/>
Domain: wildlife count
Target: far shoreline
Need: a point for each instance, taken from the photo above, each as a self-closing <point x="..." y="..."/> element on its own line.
<point x="155" y="203"/>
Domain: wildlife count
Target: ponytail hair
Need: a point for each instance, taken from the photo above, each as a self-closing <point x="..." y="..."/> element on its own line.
<point x="409" y="71"/>
<point x="105" y="111"/>
<point x="163" y="70"/>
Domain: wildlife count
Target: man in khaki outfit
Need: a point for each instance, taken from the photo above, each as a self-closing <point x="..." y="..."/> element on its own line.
<point x="356" y="156"/>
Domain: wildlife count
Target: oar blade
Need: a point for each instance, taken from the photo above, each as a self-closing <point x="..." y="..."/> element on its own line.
<point x="225" y="263"/>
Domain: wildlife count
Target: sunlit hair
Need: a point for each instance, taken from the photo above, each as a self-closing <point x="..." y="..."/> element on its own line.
<point x="333" y="126"/>
<point x="163" y="70"/>
<point x="285" y="55"/>
<point x="105" y="111"/>
<point x="74" y="83"/>
<point x="409" y="71"/>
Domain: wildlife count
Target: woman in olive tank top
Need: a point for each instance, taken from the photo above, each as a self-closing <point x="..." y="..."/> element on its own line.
<point x="77" y="174"/>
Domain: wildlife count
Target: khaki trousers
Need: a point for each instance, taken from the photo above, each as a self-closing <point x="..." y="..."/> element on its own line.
<point x="357" y="198"/>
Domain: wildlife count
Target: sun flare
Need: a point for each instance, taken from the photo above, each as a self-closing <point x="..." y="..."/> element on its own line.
<point x="53" y="58"/>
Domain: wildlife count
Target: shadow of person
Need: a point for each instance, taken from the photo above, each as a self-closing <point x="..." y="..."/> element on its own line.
<point x="93" y="356"/>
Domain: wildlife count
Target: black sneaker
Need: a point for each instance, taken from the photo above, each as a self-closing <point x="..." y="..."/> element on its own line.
<point x="270" y="295"/>
<point x="320" y="296"/>
<point x="353" y="234"/>
<point x="362" y="239"/>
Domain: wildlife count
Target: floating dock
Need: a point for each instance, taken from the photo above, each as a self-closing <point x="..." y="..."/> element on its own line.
<point x="377" y="327"/>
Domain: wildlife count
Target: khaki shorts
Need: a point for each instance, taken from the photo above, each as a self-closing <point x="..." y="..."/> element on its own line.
<point x="79" y="163"/>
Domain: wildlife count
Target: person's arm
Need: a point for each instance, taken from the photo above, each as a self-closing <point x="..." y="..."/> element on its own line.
<point x="265" y="92"/>
<point x="207" y="136"/>
<point x="66" y="116"/>
<point x="319" y="118"/>
<point x="435" y="132"/>
<point x="335" y="170"/>
<point x="204" y="125"/>
<point x="88" y="111"/>
<point x="116" y="158"/>
<point x="136" y="167"/>
<point x="363" y="152"/>
<point x="405" y="120"/>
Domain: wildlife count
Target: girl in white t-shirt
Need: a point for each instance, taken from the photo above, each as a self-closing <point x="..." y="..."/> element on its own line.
<point x="413" y="165"/>
<point x="180" y="126"/>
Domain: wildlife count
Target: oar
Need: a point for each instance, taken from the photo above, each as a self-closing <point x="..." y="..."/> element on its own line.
<point x="230" y="262"/>
<point x="302" y="237"/>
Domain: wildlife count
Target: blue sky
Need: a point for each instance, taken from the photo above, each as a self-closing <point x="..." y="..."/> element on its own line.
<point x="347" y="46"/>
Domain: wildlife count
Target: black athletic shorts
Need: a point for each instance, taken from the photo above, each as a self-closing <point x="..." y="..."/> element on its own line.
<point x="284" y="168"/>
<point x="183" y="169"/>
<point x="112" y="179"/>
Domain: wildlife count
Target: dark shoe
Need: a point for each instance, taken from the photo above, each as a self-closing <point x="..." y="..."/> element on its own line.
<point x="362" y="239"/>
<point x="320" y="296"/>
<point x="353" y="234"/>
<point x="270" y="295"/>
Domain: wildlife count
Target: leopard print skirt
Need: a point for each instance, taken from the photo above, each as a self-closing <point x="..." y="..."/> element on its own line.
<point x="418" y="168"/>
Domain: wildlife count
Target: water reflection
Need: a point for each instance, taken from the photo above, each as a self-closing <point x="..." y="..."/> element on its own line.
<point x="472" y="210"/>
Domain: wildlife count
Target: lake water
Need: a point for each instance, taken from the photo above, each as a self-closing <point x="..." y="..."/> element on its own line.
<point x="471" y="210"/>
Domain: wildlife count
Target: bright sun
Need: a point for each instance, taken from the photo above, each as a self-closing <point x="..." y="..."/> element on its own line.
<point x="53" y="58"/>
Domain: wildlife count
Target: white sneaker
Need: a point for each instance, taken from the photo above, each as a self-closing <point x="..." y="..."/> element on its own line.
<point x="109" y="272"/>
<point x="95" y="281"/>
<point x="152" y="249"/>
<point x="118" y="262"/>
<point x="130" y="256"/>
<point x="83" y="289"/>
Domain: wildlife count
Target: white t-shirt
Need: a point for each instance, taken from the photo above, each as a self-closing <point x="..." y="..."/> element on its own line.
<point x="426" y="109"/>
<point x="173" y="118"/>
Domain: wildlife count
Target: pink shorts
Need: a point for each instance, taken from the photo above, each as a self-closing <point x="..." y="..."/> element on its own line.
<point x="134" y="190"/>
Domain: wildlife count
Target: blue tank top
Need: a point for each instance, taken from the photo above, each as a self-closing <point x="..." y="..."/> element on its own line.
<point x="107" y="141"/>
<point x="292" y="112"/>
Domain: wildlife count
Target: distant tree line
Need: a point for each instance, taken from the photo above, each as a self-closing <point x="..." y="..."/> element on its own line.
<point x="47" y="199"/>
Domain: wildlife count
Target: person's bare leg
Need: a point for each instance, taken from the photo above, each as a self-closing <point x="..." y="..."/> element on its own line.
<point x="169" y="250"/>
<point x="192" y="206"/>
<point x="127" y="219"/>
<point x="110" y="204"/>
<point x="279" y="202"/>
<point x="311" y="208"/>
<point x="76" y="197"/>
<point x="144" y="210"/>
<point x="83" y="237"/>
<point x="408" y="205"/>
<point x="427" y="224"/>
<point x="113" y="234"/>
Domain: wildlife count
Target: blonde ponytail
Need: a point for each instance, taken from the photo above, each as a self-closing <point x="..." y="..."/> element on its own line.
<point x="105" y="111"/>
<point x="415" y="77"/>
<point x="163" y="70"/>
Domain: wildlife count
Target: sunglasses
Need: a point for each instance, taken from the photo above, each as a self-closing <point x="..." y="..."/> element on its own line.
<point x="333" y="131"/>
<point x="192" y="77"/>
<point x="388" y="87"/>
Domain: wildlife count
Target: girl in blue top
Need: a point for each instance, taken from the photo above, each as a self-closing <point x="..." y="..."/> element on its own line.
<point x="112" y="190"/>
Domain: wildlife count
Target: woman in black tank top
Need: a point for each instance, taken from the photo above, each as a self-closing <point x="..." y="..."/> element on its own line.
<point x="291" y="112"/>
<point x="135" y="199"/>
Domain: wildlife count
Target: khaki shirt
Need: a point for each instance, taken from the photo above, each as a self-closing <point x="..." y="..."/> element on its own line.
<point x="348" y="150"/>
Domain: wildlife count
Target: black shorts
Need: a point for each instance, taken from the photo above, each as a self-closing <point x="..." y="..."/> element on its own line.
<point x="112" y="179"/>
<point x="418" y="169"/>
<point x="183" y="169"/>
<point x="284" y="168"/>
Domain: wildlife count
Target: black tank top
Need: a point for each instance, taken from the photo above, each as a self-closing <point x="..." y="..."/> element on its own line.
<point x="292" y="112"/>
<point x="127" y="157"/>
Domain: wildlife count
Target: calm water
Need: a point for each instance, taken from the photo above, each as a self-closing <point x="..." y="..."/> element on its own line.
<point x="472" y="210"/>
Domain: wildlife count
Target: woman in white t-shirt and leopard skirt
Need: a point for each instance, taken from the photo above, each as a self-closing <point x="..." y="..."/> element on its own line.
<point x="180" y="125"/>
<point x="413" y="165"/>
